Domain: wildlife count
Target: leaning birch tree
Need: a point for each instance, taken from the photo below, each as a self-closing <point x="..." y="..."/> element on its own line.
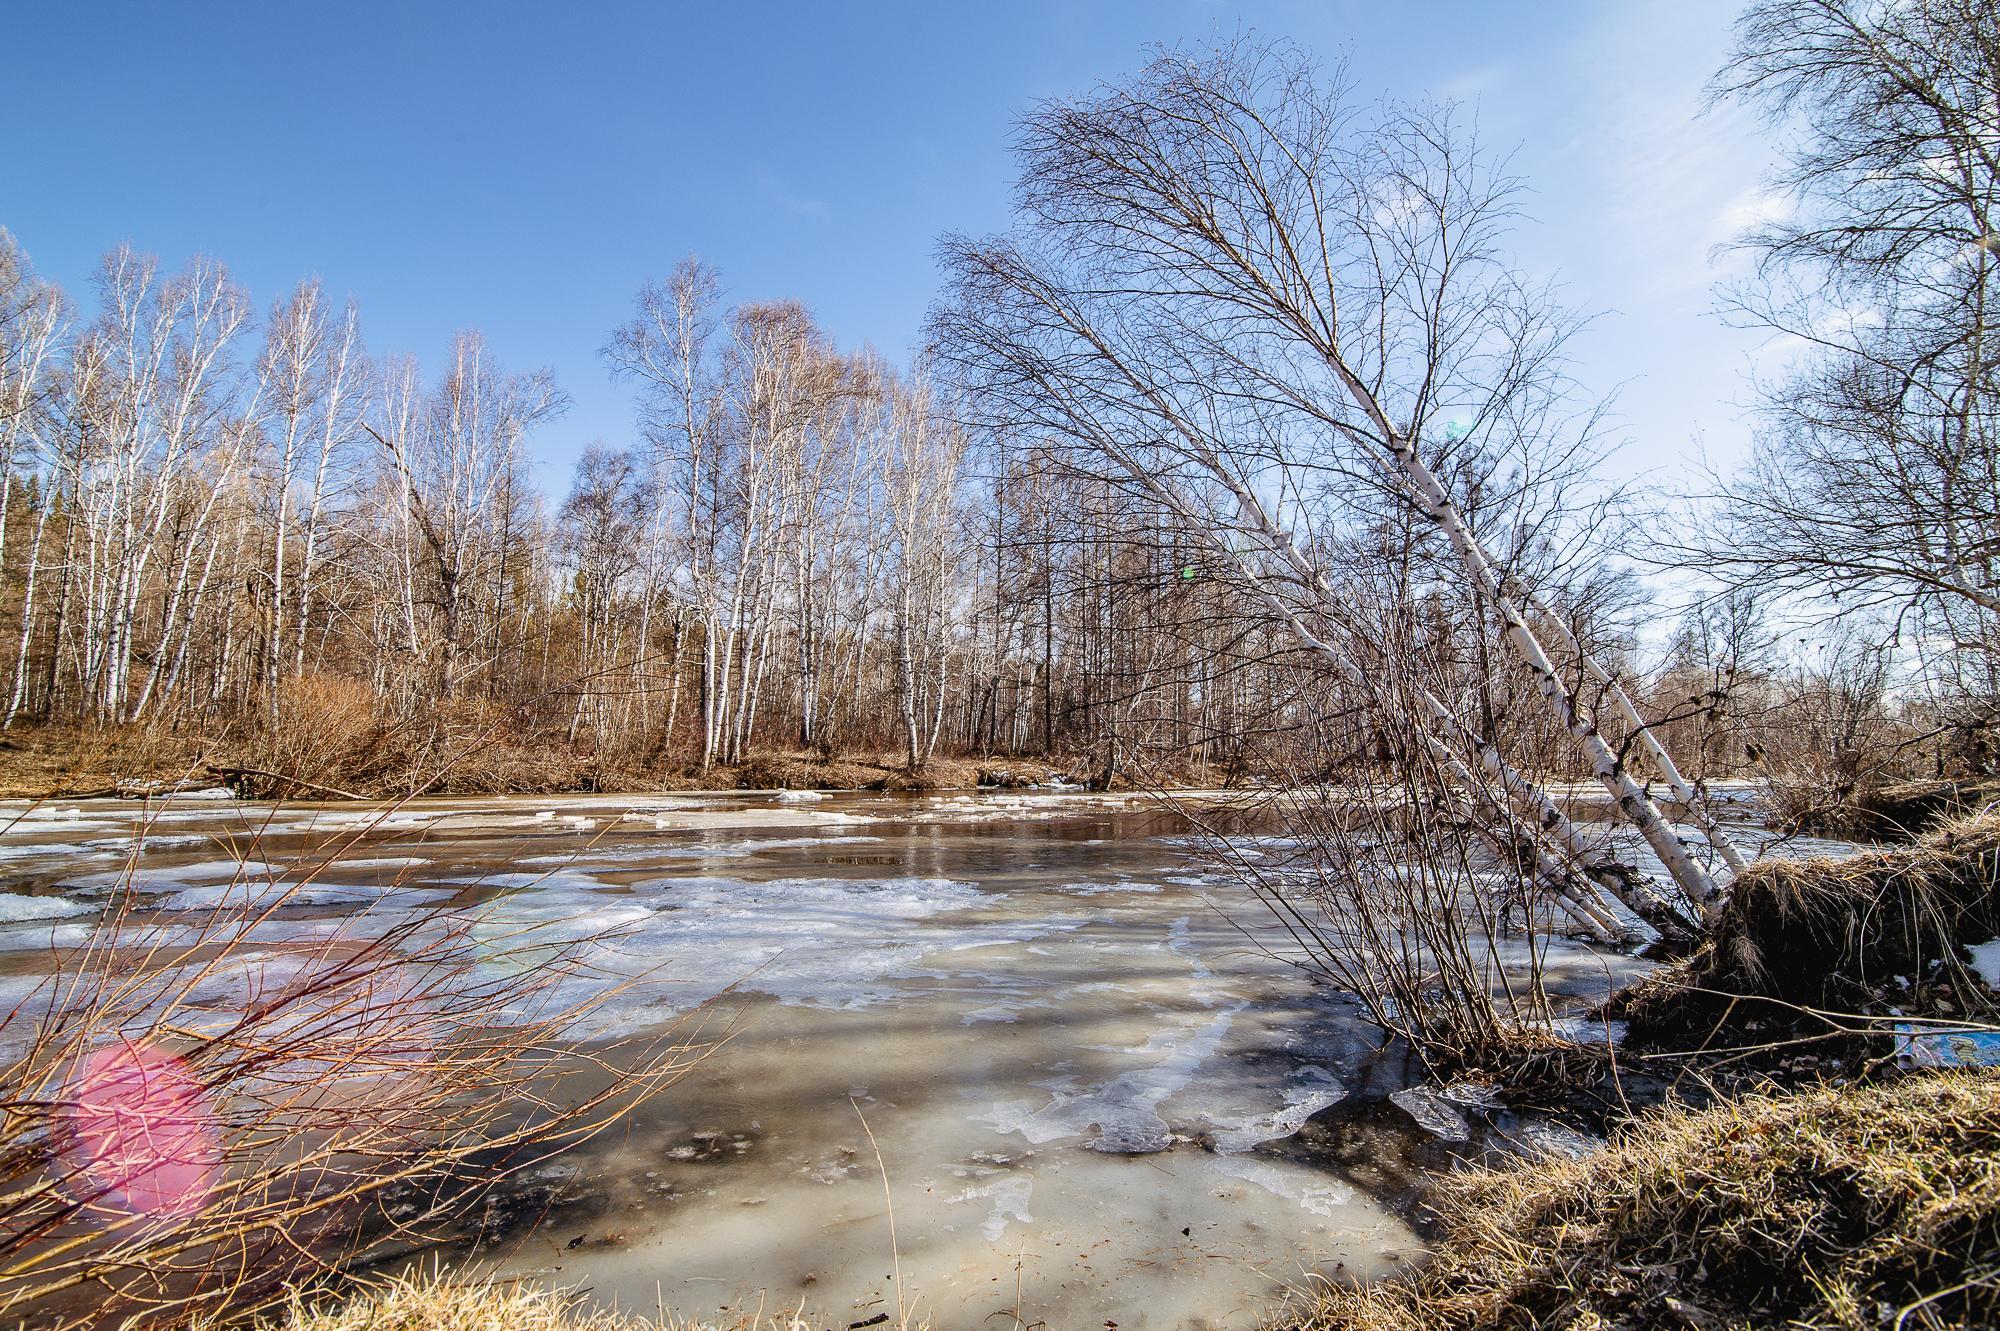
<point x="1250" y="296"/>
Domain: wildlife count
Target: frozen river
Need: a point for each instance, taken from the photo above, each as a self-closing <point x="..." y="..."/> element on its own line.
<point x="1086" y="1076"/>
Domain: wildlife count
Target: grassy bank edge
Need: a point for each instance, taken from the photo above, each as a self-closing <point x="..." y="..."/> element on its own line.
<point x="1831" y="1207"/>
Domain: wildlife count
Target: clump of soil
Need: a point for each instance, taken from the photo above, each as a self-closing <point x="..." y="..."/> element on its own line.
<point x="1835" y="947"/>
<point x="1826" y="1208"/>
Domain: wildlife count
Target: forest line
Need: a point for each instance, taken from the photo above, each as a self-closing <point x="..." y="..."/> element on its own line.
<point x="1101" y="523"/>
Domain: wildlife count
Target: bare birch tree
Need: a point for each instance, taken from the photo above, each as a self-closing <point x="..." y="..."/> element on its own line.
<point x="925" y="458"/>
<point x="599" y="530"/>
<point x="313" y="383"/>
<point x="455" y="464"/>
<point x="33" y="318"/>
<point x="164" y="431"/>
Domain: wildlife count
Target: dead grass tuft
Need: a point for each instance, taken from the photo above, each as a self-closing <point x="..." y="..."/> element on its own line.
<point x="438" y="1303"/>
<point x="441" y="1301"/>
<point x="1831" y="1208"/>
<point x="1880" y="811"/>
<point x="47" y="761"/>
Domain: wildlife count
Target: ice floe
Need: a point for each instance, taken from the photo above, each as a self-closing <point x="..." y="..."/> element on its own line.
<point x="1096" y="889"/>
<point x="1313" y="1191"/>
<point x="1125" y="1111"/>
<point x="1433" y="1112"/>
<point x="171" y="878"/>
<point x="16" y="909"/>
<point x="1008" y="1200"/>
<point x="1312" y="1090"/>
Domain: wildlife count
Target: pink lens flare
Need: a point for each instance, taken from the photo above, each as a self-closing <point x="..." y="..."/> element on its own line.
<point x="139" y="1133"/>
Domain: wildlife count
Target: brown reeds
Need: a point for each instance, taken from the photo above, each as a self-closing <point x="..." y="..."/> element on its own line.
<point x="1391" y="885"/>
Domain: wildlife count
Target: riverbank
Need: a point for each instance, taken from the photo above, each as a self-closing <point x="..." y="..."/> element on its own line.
<point x="1842" y="1168"/>
<point x="1829" y="1207"/>
<point x="66" y="762"/>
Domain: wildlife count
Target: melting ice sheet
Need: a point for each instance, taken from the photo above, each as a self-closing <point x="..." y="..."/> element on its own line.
<point x="1075" y="1067"/>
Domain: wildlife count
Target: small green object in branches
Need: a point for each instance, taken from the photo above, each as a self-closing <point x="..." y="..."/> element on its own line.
<point x="1189" y="573"/>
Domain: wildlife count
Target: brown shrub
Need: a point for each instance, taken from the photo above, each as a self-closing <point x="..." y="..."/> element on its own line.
<point x="189" y="1120"/>
<point x="326" y="728"/>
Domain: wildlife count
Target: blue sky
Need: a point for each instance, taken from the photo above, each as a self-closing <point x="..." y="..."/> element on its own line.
<point x="521" y="168"/>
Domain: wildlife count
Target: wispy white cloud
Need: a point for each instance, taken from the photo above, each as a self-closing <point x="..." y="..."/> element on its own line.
<point x="774" y="191"/>
<point x="1472" y="84"/>
<point x="1676" y="176"/>
<point x="1638" y="183"/>
<point x="1752" y="208"/>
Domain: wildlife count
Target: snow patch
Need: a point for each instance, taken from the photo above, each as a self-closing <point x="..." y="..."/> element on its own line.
<point x="1986" y="961"/>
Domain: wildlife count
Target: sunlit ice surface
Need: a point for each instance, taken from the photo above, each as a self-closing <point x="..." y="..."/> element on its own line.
<point x="1086" y="1077"/>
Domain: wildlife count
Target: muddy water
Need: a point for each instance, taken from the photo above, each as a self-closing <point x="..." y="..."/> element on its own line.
<point x="1081" y="1064"/>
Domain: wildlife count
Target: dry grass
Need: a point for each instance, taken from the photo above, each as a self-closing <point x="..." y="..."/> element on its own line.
<point x="47" y="761"/>
<point x="1885" y="810"/>
<point x="802" y="771"/>
<point x="1875" y="1207"/>
<point x="331" y="741"/>
<point x="879" y="771"/>
<point x="436" y="1303"/>
<point x="439" y="1301"/>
